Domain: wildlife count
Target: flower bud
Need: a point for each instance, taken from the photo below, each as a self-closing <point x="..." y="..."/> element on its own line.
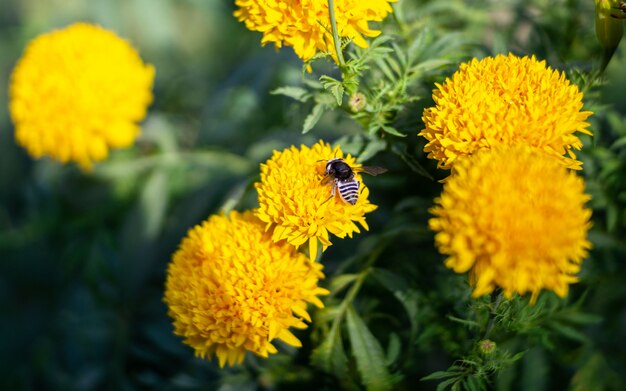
<point x="486" y="346"/>
<point x="357" y="102"/>
<point x="609" y="27"/>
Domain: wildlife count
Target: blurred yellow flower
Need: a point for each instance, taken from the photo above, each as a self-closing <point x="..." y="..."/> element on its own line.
<point x="305" y="24"/>
<point x="230" y="289"/>
<point x="505" y="100"/>
<point x="516" y="218"/>
<point x="294" y="200"/>
<point x="78" y="91"/>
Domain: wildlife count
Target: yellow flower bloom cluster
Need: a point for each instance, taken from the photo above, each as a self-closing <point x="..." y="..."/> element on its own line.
<point x="305" y="24"/>
<point x="78" y="91"/>
<point x="505" y="100"/>
<point x="293" y="200"/>
<point x="237" y="283"/>
<point x="516" y="219"/>
<point x="231" y="289"/>
<point x="511" y="213"/>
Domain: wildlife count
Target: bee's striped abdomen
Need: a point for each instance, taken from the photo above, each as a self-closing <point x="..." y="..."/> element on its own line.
<point x="349" y="190"/>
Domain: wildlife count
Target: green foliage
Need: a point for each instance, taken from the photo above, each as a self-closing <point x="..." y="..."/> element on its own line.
<point x="368" y="353"/>
<point x="83" y="257"/>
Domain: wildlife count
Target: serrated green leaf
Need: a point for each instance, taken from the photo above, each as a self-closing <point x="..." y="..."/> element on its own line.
<point x="334" y="86"/>
<point x="369" y="355"/>
<point x="337" y="92"/>
<point x="311" y="119"/>
<point x="297" y="93"/>
<point x="330" y="356"/>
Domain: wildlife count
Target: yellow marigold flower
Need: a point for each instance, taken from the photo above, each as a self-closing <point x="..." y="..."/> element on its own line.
<point x="78" y="91"/>
<point x="505" y="100"/>
<point x="294" y="200"/>
<point x="230" y="289"/>
<point x="516" y="218"/>
<point x="305" y="24"/>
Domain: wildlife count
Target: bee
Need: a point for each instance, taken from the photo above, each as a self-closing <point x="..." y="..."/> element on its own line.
<point x="342" y="176"/>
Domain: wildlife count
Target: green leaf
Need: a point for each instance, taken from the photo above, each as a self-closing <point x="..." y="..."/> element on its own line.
<point x="595" y="375"/>
<point x="297" y="93"/>
<point x="371" y="149"/>
<point x="235" y="195"/>
<point x="341" y="281"/>
<point x="429" y="65"/>
<point x="351" y="144"/>
<point x="475" y="383"/>
<point x="334" y="86"/>
<point x="401" y="290"/>
<point x="439" y="375"/>
<point x="535" y="371"/>
<point x="154" y="200"/>
<point x="619" y="143"/>
<point x="443" y="385"/>
<point x="394" y="348"/>
<point x="311" y="119"/>
<point x="568" y="331"/>
<point x="330" y="356"/>
<point x="400" y="150"/>
<point x="517" y="356"/>
<point x="391" y="130"/>
<point x="471" y="324"/>
<point x="582" y="318"/>
<point x="384" y="68"/>
<point x="369" y="355"/>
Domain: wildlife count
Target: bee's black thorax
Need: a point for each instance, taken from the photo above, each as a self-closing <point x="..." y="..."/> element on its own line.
<point x="339" y="170"/>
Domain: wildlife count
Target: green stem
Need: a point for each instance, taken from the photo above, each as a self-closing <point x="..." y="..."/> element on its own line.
<point x="333" y="25"/>
<point x="496" y="299"/>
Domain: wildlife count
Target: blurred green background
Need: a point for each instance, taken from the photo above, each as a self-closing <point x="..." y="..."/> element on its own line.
<point x="83" y="257"/>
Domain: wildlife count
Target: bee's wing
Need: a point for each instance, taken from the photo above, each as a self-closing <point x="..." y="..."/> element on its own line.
<point x="372" y="170"/>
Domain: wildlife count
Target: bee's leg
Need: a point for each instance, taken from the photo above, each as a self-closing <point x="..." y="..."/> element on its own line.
<point x="332" y="194"/>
